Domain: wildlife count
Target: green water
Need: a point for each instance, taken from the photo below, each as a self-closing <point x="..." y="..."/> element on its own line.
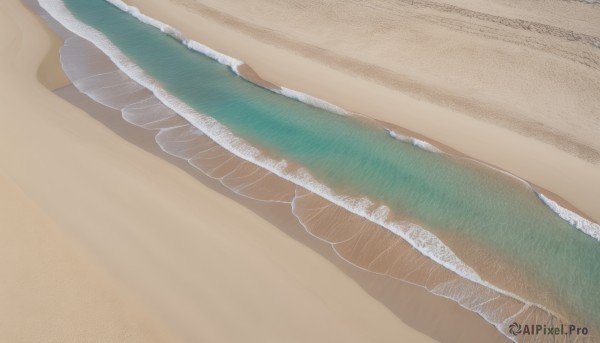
<point x="443" y="194"/>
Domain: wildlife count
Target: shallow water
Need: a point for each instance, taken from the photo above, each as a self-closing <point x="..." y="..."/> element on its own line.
<point x="494" y="223"/>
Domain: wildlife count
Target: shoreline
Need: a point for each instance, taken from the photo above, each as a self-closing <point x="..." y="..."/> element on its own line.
<point x="168" y="29"/>
<point x="576" y="195"/>
<point x="246" y="72"/>
<point x="371" y="283"/>
<point x="53" y="286"/>
<point x="378" y="286"/>
<point x="381" y="287"/>
<point x="131" y="133"/>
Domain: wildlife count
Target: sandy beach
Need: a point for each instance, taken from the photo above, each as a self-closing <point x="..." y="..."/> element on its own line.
<point x="53" y="288"/>
<point x="513" y="86"/>
<point x="107" y="236"/>
<point x="103" y="238"/>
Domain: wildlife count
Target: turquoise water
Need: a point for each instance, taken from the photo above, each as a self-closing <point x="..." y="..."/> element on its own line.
<point x="445" y="195"/>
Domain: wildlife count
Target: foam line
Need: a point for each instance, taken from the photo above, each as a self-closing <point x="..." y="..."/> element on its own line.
<point x="229" y="61"/>
<point x="169" y="30"/>
<point x="586" y="226"/>
<point x="311" y="100"/>
<point x="413" y="141"/>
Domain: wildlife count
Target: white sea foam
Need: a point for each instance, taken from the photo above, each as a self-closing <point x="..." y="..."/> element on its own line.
<point x="413" y="141"/>
<point x="233" y="63"/>
<point x="215" y="55"/>
<point x="311" y="100"/>
<point x="584" y="225"/>
<point x="191" y="44"/>
<point x="423" y="240"/>
<point x="121" y="5"/>
<point x="588" y="227"/>
<point x="135" y="12"/>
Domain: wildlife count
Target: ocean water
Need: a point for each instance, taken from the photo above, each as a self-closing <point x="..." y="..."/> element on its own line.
<point x="494" y="224"/>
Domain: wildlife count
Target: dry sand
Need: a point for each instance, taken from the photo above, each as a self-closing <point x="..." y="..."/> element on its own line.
<point x="51" y="288"/>
<point x="104" y="241"/>
<point x="512" y="83"/>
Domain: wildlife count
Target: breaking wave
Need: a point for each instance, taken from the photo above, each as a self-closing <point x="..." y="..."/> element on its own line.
<point x="590" y="228"/>
<point x="413" y="141"/>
